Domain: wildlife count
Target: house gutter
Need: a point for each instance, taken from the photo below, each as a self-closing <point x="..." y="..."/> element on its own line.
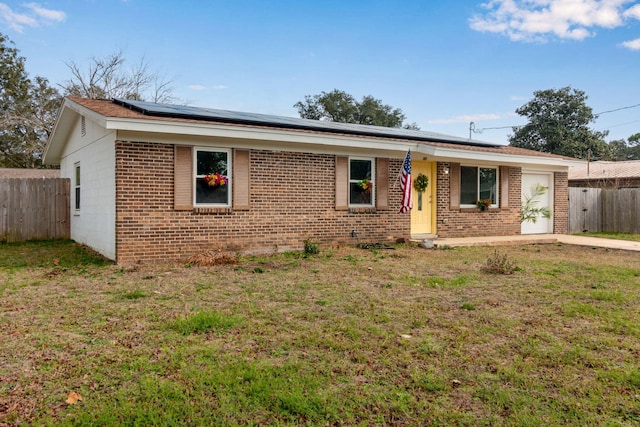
<point x="278" y="138"/>
<point x="461" y="155"/>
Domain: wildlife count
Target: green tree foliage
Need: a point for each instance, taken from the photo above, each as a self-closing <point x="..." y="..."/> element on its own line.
<point x="558" y="124"/>
<point x="339" y="106"/>
<point x="625" y="150"/>
<point x="27" y="110"/>
<point x="108" y="77"/>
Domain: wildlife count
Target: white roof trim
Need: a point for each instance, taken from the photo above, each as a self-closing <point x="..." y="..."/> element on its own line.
<point x="285" y="138"/>
<point x="326" y="139"/>
<point x="458" y="154"/>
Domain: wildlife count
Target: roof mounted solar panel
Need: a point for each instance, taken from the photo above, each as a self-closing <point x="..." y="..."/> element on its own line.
<point x="225" y="116"/>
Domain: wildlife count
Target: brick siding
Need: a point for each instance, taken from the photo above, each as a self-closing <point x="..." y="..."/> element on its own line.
<point x="472" y="222"/>
<point x="561" y="203"/>
<point x="292" y="198"/>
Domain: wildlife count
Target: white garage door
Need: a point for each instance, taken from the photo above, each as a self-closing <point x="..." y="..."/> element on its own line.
<point x="529" y="183"/>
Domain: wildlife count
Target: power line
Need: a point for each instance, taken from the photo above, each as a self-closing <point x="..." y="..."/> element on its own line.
<point x="480" y="130"/>
<point x="501" y="127"/>
<point x="618" y="109"/>
<point x="622" y="124"/>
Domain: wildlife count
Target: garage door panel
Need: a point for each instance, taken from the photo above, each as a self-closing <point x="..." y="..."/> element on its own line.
<point x="529" y="183"/>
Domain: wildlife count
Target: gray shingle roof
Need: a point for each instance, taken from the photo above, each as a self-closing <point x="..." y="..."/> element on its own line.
<point x="606" y="170"/>
<point x="29" y="173"/>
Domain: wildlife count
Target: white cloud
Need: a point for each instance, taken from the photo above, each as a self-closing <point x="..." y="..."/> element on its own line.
<point x="465" y="118"/>
<point x="33" y="18"/>
<point x="47" y="14"/>
<point x="16" y="21"/>
<point x="197" y="87"/>
<point x="633" y="12"/>
<point x="539" y="20"/>
<point x="632" y="44"/>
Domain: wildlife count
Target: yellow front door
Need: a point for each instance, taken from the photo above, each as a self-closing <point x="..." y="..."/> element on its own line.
<point x="423" y="212"/>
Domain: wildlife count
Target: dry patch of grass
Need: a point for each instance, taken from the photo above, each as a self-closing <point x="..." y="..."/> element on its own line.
<point x="210" y="258"/>
<point x="347" y="336"/>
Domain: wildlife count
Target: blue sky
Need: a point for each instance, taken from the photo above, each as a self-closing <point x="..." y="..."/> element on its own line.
<point x="444" y="63"/>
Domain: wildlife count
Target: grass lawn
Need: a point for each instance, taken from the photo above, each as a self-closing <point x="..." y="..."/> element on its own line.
<point x="619" y="236"/>
<point x="346" y="337"/>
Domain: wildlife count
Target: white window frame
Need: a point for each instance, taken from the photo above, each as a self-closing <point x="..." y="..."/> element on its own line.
<point x="195" y="176"/>
<point x="477" y="167"/>
<point x="372" y="179"/>
<point x="77" y="175"/>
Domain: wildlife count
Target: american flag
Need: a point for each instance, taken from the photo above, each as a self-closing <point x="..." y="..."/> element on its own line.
<point x="405" y="184"/>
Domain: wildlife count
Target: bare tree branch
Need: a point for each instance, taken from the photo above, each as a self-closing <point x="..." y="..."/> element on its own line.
<point x="106" y="78"/>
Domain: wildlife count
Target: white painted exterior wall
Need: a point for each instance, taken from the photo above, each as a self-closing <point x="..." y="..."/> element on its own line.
<point x="95" y="223"/>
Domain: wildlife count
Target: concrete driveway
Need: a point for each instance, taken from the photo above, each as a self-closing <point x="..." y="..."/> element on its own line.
<point x="595" y="242"/>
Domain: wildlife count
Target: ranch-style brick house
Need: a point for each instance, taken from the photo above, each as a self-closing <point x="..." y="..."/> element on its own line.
<point x="155" y="182"/>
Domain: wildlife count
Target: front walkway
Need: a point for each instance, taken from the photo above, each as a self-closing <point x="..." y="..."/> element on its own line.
<point x="539" y="238"/>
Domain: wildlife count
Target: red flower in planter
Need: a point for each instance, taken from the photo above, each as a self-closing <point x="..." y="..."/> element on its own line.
<point x="216" y="180"/>
<point x="365" y="186"/>
<point x="484" y="203"/>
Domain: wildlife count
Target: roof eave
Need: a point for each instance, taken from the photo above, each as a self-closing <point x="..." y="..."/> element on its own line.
<point x="68" y="113"/>
<point x="61" y="129"/>
<point x="255" y="133"/>
<point x="295" y="124"/>
<point x="507" y="159"/>
<point x="398" y="146"/>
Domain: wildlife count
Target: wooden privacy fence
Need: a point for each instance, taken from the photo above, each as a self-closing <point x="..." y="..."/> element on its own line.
<point x="34" y="208"/>
<point x="607" y="210"/>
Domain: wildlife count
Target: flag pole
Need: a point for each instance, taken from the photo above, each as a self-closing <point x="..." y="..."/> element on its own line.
<point x="406" y="204"/>
<point x="395" y="184"/>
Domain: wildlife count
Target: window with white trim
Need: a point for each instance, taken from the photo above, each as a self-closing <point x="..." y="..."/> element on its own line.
<point x="361" y="182"/>
<point x="212" y="186"/>
<point x="76" y="184"/>
<point x="478" y="183"/>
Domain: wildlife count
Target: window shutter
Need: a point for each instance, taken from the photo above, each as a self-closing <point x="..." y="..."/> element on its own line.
<point x="454" y="185"/>
<point x="382" y="184"/>
<point x="240" y="183"/>
<point x="183" y="178"/>
<point x="342" y="183"/>
<point x="504" y="186"/>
